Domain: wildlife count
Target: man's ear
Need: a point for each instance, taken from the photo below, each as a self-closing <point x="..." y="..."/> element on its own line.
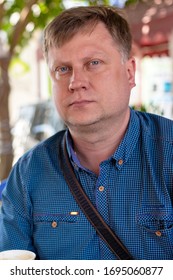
<point x="131" y="70"/>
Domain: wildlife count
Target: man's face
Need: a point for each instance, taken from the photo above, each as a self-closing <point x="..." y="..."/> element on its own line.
<point x="91" y="83"/>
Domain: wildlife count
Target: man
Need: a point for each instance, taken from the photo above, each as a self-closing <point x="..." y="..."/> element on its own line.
<point x="122" y="158"/>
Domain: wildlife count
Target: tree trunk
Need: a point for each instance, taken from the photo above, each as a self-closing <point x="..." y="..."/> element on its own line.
<point x="6" y="150"/>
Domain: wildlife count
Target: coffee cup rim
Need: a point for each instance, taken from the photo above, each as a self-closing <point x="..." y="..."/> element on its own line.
<point x="18" y="252"/>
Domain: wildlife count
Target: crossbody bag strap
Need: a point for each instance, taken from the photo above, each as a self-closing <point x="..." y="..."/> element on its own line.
<point x="104" y="231"/>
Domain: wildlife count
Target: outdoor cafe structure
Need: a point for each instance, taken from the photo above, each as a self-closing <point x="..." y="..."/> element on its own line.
<point x="151" y="24"/>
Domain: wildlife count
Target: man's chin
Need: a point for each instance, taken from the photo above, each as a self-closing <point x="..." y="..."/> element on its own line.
<point x="84" y="126"/>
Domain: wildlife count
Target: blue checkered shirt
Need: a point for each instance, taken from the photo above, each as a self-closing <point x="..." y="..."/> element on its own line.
<point x="133" y="193"/>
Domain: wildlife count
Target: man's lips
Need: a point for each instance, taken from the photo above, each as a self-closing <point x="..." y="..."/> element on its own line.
<point x="81" y="102"/>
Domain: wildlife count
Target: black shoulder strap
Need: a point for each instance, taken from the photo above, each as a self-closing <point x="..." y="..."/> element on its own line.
<point x="87" y="207"/>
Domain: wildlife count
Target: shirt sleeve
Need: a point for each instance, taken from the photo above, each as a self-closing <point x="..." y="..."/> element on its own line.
<point x="16" y="214"/>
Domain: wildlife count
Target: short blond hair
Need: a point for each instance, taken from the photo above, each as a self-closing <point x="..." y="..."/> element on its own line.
<point x="73" y="20"/>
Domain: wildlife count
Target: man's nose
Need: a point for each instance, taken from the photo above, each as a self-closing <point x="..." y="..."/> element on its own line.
<point x="78" y="80"/>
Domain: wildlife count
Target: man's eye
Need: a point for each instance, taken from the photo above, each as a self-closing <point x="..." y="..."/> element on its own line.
<point x="94" y="63"/>
<point x="62" y="70"/>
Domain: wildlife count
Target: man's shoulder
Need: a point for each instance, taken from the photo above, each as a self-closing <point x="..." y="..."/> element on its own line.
<point x="44" y="149"/>
<point x="52" y="141"/>
<point x="156" y="126"/>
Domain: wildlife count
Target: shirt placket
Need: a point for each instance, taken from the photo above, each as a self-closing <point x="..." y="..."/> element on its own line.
<point x="102" y="204"/>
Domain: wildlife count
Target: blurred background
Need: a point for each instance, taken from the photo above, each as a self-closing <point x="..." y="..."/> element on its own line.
<point x="27" y="113"/>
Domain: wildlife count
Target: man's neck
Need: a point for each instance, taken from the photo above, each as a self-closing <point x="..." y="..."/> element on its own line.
<point x="95" y="147"/>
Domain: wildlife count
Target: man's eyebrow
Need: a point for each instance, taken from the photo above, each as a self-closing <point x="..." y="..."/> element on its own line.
<point x="88" y="56"/>
<point x="91" y="55"/>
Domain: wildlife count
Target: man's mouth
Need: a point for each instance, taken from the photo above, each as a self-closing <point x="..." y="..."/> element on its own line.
<point x="81" y="102"/>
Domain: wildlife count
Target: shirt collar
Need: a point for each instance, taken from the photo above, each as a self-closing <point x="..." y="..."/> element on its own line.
<point x="129" y="141"/>
<point x="72" y="155"/>
<point x="123" y="151"/>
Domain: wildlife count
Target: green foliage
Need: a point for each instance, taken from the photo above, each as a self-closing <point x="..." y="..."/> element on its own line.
<point x="96" y="2"/>
<point x="27" y="17"/>
<point x="151" y="108"/>
<point x="19" y="67"/>
<point x="129" y="2"/>
<point x="140" y="107"/>
<point x="19" y="19"/>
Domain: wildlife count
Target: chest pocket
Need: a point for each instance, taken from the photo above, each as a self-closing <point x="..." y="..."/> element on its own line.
<point x="155" y="220"/>
<point x="55" y="220"/>
<point x="53" y="234"/>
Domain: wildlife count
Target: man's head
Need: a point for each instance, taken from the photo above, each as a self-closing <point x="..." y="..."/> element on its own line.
<point x="84" y="19"/>
<point x="92" y="72"/>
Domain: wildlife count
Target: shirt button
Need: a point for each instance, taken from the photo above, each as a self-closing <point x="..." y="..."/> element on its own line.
<point x="75" y="166"/>
<point x="101" y="188"/>
<point x="54" y="224"/>
<point x="120" y="162"/>
<point x="158" y="233"/>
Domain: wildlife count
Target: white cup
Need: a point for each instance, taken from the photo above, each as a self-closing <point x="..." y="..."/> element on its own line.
<point x="17" y="255"/>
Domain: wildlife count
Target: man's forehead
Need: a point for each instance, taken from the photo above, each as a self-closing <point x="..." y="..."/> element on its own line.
<point x="86" y="29"/>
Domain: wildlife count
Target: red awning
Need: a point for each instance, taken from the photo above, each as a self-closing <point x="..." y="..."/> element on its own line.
<point x="151" y="25"/>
